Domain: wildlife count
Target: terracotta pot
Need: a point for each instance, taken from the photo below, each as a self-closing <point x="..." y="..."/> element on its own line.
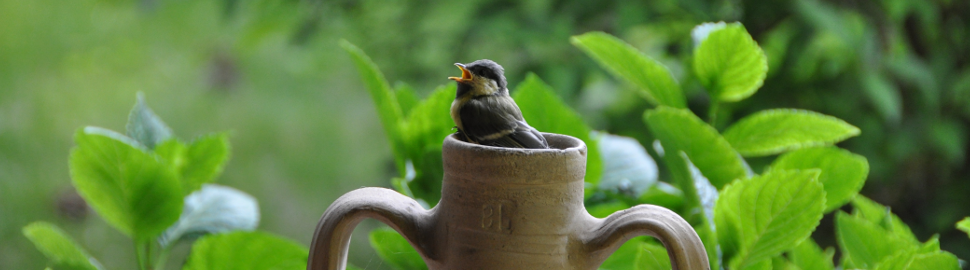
<point x="504" y="208"/>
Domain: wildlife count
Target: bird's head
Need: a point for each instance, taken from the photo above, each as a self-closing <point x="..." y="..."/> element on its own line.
<point x="481" y="78"/>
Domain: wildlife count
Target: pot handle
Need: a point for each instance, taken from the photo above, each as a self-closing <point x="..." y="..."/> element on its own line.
<point x="328" y="251"/>
<point x="684" y="247"/>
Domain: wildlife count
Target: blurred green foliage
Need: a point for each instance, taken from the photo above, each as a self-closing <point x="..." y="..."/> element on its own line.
<point x="306" y="131"/>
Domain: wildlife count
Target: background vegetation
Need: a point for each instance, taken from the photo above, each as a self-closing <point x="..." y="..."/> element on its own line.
<point x="304" y="130"/>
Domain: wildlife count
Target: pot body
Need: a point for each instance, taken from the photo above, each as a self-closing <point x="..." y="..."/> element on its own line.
<point x="506" y="208"/>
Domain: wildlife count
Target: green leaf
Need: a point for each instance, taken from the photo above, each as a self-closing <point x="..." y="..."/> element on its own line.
<point x="964" y="225"/>
<point x="388" y="109"/>
<point x="131" y="189"/>
<point x="57" y="246"/>
<point x="809" y="256"/>
<point x="395" y="250"/>
<point x="914" y="259"/>
<point x="681" y="130"/>
<point x="864" y="243"/>
<point x="653" y="79"/>
<point x="546" y="112"/>
<point x="406" y="97"/>
<point x="146" y="127"/>
<point x="429" y="121"/>
<point x="204" y="160"/>
<point x="882" y="216"/>
<point x="246" y="250"/>
<point x="652" y="256"/>
<point x="843" y="173"/>
<point x="884" y="95"/>
<point x="730" y="64"/>
<point x="774" y="212"/>
<point x="602" y="210"/>
<point x="775" y="131"/>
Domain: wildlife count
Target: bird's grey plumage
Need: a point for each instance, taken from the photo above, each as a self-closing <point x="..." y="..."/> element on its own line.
<point x="491" y="117"/>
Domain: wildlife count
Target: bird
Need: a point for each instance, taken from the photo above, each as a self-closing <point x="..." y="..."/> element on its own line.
<point x="485" y="114"/>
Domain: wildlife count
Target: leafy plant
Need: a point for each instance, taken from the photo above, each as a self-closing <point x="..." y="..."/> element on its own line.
<point x="747" y="219"/>
<point x="157" y="190"/>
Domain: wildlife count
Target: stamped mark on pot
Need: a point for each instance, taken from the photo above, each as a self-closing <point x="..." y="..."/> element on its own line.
<point x="495" y="216"/>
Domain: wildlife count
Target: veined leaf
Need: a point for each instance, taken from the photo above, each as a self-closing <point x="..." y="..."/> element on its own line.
<point x="809" y="256"/>
<point x="881" y="215"/>
<point x="429" y="121"/>
<point x="546" y="112"/>
<point x="246" y="251"/>
<point x="843" y="173"/>
<point x="774" y="212"/>
<point x="395" y="250"/>
<point x="730" y="64"/>
<point x="386" y="103"/>
<point x="775" y="131"/>
<point x="58" y="246"/>
<point x="914" y="259"/>
<point x="146" y="127"/>
<point x="204" y="160"/>
<point x="652" y="256"/>
<point x="680" y="130"/>
<point x="131" y="189"/>
<point x="653" y="79"/>
<point x="863" y="243"/>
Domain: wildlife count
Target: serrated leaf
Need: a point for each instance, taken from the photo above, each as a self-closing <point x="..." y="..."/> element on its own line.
<point x="57" y="246"/>
<point x="204" y="160"/>
<point x="146" y="127"/>
<point x="730" y="64"/>
<point x="653" y="79"/>
<point x="774" y="212"/>
<point x="864" y="243"/>
<point x="843" y="173"/>
<point x="964" y="225"/>
<point x="213" y="209"/>
<point x="914" y="259"/>
<point x="388" y="110"/>
<point x="395" y="250"/>
<point x="775" y="131"/>
<point x="627" y="168"/>
<point x="809" y="256"/>
<point x="680" y="130"/>
<point x="246" y="251"/>
<point x="546" y="112"/>
<point x="132" y="190"/>
<point x="882" y="216"/>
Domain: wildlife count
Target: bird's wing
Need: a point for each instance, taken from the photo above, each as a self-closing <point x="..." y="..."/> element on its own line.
<point x="492" y="121"/>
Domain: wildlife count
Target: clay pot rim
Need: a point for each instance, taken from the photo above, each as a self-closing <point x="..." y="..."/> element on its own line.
<point x="559" y="144"/>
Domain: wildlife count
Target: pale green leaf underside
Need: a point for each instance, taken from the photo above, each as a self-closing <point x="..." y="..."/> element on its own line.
<point x="546" y="112"/>
<point x="680" y="130"/>
<point x="57" y="245"/>
<point x="246" y="251"/>
<point x="146" y="127"/>
<point x="131" y="189"/>
<point x="730" y="64"/>
<point x="653" y="79"/>
<point x="843" y="173"/>
<point x="774" y="212"/>
<point x="395" y="250"/>
<point x="775" y="131"/>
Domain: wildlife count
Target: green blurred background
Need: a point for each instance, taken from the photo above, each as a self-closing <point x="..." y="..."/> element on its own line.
<point x="304" y="130"/>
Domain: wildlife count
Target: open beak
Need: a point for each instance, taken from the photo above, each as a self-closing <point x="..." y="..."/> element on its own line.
<point x="466" y="76"/>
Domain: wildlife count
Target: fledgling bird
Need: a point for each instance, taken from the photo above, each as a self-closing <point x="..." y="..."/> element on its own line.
<point x="484" y="112"/>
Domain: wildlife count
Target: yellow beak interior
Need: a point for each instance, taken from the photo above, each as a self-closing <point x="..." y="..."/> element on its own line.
<point x="465" y="74"/>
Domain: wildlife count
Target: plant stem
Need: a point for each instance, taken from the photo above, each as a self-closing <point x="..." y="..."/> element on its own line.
<point x="163" y="256"/>
<point x="140" y="255"/>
